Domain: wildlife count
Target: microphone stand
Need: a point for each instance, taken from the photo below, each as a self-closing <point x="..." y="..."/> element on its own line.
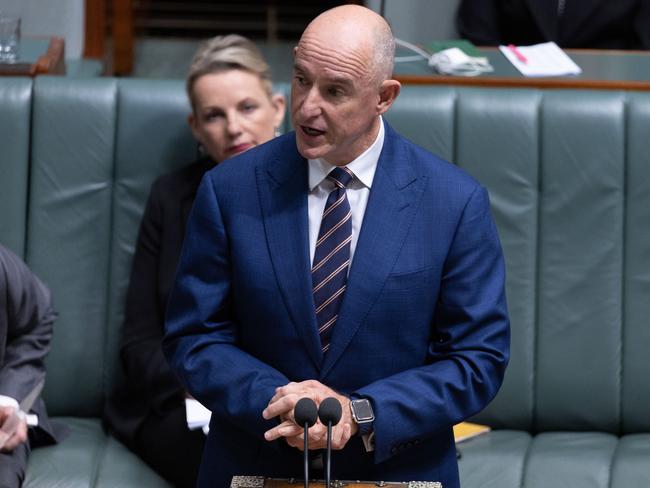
<point x="328" y="460"/>
<point x="306" y="455"/>
<point x="329" y="413"/>
<point x="305" y="413"/>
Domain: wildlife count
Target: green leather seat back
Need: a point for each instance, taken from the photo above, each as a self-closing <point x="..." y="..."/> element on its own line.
<point x="153" y="137"/>
<point x="580" y="262"/>
<point x="498" y="143"/>
<point x="636" y="267"/>
<point x="69" y="231"/>
<point x="16" y="96"/>
<point x="569" y="182"/>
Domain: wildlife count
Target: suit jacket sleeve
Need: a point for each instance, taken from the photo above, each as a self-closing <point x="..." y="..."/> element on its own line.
<point x="201" y="337"/>
<point x="28" y="316"/>
<point x="141" y="353"/>
<point x="469" y="348"/>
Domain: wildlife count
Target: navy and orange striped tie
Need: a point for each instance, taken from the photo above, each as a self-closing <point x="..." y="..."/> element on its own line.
<point x="329" y="271"/>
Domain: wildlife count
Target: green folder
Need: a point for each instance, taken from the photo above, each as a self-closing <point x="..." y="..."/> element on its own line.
<point x="464" y="45"/>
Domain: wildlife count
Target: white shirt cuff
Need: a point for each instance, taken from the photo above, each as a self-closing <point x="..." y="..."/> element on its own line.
<point x="369" y="441"/>
<point x="7" y="401"/>
<point x="31" y="418"/>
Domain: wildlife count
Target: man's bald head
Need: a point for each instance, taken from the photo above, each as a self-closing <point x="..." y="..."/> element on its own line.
<point x="359" y="29"/>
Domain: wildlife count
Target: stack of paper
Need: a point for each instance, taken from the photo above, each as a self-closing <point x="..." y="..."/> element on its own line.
<point x="545" y="59"/>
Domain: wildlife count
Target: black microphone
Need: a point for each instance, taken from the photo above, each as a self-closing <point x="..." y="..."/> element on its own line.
<point x="305" y="414"/>
<point x="329" y="413"/>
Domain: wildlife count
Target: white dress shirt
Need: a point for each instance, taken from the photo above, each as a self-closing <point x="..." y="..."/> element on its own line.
<point x="358" y="190"/>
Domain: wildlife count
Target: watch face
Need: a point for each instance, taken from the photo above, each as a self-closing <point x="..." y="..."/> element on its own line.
<point x="362" y="411"/>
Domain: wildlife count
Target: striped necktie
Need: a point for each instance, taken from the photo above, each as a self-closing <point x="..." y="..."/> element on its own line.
<point x="332" y="256"/>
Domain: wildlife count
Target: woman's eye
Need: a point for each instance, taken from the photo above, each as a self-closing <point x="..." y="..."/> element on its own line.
<point x="211" y="116"/>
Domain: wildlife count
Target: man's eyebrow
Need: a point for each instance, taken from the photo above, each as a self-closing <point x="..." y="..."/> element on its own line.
<point x="341" y="80"/>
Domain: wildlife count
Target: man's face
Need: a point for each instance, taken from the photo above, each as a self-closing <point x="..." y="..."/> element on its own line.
<point x="334" y="101"/>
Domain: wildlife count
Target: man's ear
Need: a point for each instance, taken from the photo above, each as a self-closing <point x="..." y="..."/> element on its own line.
<point x="388" y="92"/>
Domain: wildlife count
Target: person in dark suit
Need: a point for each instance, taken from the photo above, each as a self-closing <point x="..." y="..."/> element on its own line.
<point x="339" y="260"/>
<point x="26" y="319"/>
<point x="233" y="109"/>
<point x="596" y="24"/>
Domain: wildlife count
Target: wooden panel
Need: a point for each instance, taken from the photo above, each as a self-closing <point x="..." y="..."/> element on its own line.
<point x="95" y="29"/>
<point x="123" y="37"/>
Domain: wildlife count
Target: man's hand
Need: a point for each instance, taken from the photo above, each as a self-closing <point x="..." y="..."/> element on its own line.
<point x="13" y="429"/>
<point x="283" y="403"/>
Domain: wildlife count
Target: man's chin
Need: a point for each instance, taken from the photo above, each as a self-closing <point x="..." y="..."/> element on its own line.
<point x="311" y="152"/>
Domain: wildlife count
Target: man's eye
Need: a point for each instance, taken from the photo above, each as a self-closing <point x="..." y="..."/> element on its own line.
<point x="249" y="107"/>
<point x="335" y="92"/>
<point x="301" y="80"/>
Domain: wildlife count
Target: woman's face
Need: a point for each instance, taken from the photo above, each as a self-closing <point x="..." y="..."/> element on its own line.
<point x="233" y="112"/>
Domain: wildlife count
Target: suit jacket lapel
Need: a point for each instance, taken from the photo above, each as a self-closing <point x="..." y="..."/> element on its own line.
<point x="283" y="193"/>
<point x="394" y="197"/>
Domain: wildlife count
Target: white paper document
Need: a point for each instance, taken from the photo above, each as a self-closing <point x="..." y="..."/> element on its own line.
<point x="198" y="417"/>
<point x="545" y="59"/>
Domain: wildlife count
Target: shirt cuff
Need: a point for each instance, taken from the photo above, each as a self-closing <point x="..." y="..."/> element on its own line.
<point x="7" y="401"/>
<point x="30" y="418"/>
<point x="369" y="441"/>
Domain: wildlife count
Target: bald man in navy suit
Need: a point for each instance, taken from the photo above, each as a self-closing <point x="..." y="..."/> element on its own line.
<point x="339" y="260"/>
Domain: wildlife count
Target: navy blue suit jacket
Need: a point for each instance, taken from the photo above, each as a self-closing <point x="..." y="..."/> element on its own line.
<point x="422" y="331"/>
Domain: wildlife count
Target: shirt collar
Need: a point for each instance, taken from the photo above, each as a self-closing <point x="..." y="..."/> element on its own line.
<point x="363" y="167"/>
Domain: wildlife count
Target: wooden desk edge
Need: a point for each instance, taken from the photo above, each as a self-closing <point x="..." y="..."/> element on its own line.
<point x="494" y="81"/>
<point x="53" y="61"/>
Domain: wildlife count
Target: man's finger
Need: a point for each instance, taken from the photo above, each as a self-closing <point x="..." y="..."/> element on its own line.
<point x="18" y="437"/>
<point x="286" y="429"/>
<point x="279" y="407"/>
<point x="342" y="437"/>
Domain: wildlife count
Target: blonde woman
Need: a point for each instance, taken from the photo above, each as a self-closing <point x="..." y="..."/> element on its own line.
<point x="233" y="110"/>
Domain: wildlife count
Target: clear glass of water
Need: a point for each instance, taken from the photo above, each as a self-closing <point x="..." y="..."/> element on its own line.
<point x="9" y="37"/>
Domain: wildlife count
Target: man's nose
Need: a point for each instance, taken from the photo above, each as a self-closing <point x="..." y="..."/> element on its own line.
<point x="311" y="105"/>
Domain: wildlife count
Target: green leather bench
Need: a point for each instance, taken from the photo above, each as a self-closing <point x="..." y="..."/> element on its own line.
<point x="569" y="178"/>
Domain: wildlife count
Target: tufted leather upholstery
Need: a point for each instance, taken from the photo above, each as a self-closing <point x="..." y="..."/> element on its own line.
<point x="569" y="178"/>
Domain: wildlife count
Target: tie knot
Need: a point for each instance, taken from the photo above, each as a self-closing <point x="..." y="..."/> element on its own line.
<point x="341" y="177"/>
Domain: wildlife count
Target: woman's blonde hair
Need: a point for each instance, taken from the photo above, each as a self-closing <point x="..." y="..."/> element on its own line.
<point x="224" y="53"/>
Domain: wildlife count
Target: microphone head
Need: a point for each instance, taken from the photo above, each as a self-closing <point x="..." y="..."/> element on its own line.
<point x="330" y="411"/>
<point x="305" y="412"/>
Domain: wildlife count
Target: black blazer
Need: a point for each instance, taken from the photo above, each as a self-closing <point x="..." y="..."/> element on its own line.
<point x="598" y="24"/>
<point x="151" y="388"/>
